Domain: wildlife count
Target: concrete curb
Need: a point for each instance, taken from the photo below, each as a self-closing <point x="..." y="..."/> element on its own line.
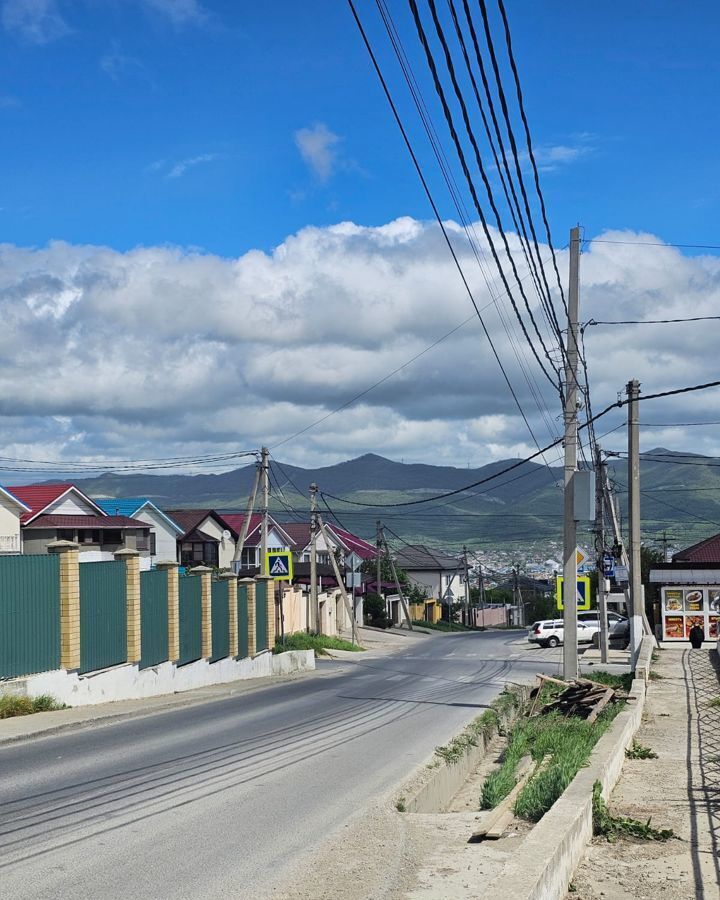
<point x="434" y="788"/>
<point x="553" y="849"/>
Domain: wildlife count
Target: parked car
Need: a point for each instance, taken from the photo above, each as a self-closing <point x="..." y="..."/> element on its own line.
<point x="549" y="632"/>
<point x="620" y="633"/>
<point x="592" y="616"/>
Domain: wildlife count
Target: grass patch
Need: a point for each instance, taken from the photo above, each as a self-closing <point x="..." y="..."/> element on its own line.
<point x="714" y="702"/>
<point x="301" y="640"/>
<point x="400" y="804"/>
<point x="26" y="706"/>
<point x="568" y="743"/>
<point x="654" y="676"/>
<point x="484" y="726"/>
<point x="441" y="625"/>
<point x="613" y="827"/>
<point x="618" y="682"/>
<point x="638" y="751"/>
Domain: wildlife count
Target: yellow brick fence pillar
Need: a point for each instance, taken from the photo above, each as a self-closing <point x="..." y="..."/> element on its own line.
<point x="232" y="584"/>
<point x="173" y="601"/>
<point x="68" y="552"/>
<point x="270" y="599"/>
<point x="131" y="558"/>
<point x="250" y="584"/>
<point x="205" y="573"/>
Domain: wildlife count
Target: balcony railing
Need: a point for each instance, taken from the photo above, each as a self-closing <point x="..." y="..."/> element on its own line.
<point x="9" y="543"/>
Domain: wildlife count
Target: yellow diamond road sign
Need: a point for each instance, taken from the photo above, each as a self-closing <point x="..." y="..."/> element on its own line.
<point x="279" y="564"/>
<point x="579" y="557"/>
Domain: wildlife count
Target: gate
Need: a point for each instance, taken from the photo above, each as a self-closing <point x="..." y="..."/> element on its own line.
<point x="261" y="617"/>
<point x="29" y="615"/>
<point x="242" y="617"/>
<point x="220" y="618"/>
<point x="153" y="618"/>
<point x="103" y="615"/>
<point x="190" y="603"/>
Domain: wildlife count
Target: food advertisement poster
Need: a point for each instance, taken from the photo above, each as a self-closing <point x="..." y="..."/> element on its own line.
<point x="674" y="600"/>
<point x="693" y="620"/>
<point x="693" y="601"/>
<point x="713" y="626"/>
<point x="674" y="627"/>
<point x="714" y="600"/>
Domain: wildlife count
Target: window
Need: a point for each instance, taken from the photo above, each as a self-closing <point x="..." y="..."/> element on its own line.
<point x="141" y="540"/>
<point x="112" y="536"/>
<point x="153" y="544"/>
<point x="323" y="559"/>
<point x="66" y="534"/>
<point x="248" y="559"/>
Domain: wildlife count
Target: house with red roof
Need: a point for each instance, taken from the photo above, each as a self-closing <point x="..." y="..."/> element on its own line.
<point x="62" y="512"/>
<point x="207" y="538"/>
<point x="12" y="510"/>
<point x="689" y="588"/>
<point x="277" y="538"/>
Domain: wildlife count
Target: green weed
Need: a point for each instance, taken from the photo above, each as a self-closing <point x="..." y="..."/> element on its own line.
<point x="613" y="827"/>
<point x="25" y="706"/>
<point x="714" y="702"/>
<point x="400" y="804"/>
<point x="301" y="640"/>
<point x="638" y="751"/>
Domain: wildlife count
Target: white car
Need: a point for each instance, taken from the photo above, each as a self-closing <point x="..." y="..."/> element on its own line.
<point x="549" y="632"/>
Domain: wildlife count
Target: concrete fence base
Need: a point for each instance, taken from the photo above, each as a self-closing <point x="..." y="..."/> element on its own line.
<point x="128" y="682"/>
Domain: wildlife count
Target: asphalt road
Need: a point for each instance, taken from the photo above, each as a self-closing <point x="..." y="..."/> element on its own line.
<point x="215" y="800"/>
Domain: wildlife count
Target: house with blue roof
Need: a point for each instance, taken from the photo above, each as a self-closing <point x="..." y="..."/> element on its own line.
<point x="164" y="531"/>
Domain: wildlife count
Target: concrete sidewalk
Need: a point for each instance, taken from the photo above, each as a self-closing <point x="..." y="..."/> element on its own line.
<point x="679" y="790"/>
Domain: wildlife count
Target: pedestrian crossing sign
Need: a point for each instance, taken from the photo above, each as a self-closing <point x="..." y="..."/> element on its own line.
<point x="279" y="564"/>
<point x="583" y="592"/>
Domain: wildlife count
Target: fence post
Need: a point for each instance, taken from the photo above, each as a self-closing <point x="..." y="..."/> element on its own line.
<point x="205" y="573"/>
<point x="270" y="601"/>
<point x="69" y="602"/>
<point x="250" y="582"/>
<point x="131" y="558"/>
<point x="173" y="602"/>
<point x="232" y="584"/>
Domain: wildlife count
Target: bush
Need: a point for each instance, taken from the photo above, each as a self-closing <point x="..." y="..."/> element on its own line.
<point x="375" y="614"/>
<point x="25" y="706"/>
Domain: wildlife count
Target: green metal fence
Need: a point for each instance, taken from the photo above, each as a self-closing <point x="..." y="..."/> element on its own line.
<point x="220" y="612"/>
<point x="242" y="616"/>
<point x="190" y="602"/>
<point x="153" y="618"/>
<point x="29" y="614"/>
<point x="261" y="618"/>
<point x="103" y="615"/>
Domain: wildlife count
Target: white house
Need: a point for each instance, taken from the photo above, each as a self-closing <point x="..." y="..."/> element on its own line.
<point x="164" y="532"/>
<point x="277" y="537"/>
<point x="11" y="509"/>
<point x="206" y="539"/>
<point x="437" y="572"/>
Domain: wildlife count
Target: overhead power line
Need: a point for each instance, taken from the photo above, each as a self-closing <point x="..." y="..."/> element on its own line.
<point x="654" y="244"/>
<point x="652" y="321"/>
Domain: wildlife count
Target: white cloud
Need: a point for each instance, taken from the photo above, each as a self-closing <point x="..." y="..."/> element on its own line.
<point x="116" y="65"/>
<point x="318" y="147"/>
<point x="178" y="168"/>
<point x="179" y="12"/>
<point x="34" y="21"/>
<point x="551" y="157"/>
<point x="159" y="351"/>
<point x="7" y="101"/>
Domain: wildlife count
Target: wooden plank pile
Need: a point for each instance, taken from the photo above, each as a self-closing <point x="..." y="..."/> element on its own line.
<point x="580" y="697"/>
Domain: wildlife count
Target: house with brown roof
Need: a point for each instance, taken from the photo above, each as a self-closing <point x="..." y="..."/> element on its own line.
<point x="207" y="539"/>
<point x="62" y="512"/>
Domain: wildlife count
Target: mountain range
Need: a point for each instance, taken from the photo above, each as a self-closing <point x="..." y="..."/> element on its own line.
<point x="680" y="495"/>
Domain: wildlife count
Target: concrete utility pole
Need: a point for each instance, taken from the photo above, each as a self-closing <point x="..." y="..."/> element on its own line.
<point x="636" y="598"/>
<point x="265" y="465"/>
<point x="481" y="586"/>
<point x="600" y="553"/>
<point x="403" y="601"/>
<point x="313" y="557"/>
<point x="570" y="658"/>
<point x="467" y="588"/>
<point x="237" y="558"/>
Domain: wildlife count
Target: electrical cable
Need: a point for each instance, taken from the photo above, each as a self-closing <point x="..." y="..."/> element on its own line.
<point x="468" y="177"/>
<point x="435" y="209"/>
<point x="654" y="321"/>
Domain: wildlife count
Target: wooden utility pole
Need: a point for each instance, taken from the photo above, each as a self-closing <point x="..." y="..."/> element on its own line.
<point x="265" y="466"/>
<point x="403" y="601"/>
<point x="570" y="658"/>
<point x="378" y="561"/>
<point x="313" y="558"/>
<point x="636" y="598"/>
<point x="237" y="558"/>
<point x="481" y="586"/>
<point x="338" y="577"/>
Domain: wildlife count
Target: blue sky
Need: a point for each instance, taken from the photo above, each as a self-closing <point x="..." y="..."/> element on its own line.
<point x="208" y="213"/>
<point x="131" y="122"/>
